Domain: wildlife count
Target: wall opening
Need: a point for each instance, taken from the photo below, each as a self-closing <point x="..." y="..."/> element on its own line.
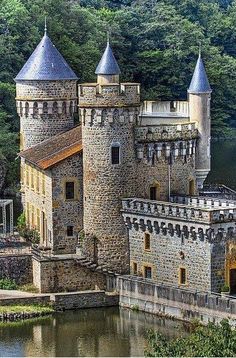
<point x="232" y="281"/>
<point x="191" y="187"/>
<point x="154" y="193"/>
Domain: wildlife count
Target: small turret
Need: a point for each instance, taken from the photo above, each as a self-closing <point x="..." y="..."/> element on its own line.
<point x="199" y="106"/>
<point x="46" y="94"/>
<point x="108" y="70"/>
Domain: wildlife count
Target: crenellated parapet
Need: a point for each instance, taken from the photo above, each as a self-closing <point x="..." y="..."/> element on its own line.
<point x="181" y="220"/>
<point x="109" y="95"/>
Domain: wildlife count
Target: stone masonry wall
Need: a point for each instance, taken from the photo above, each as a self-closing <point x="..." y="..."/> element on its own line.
<point x="17" y="268"/>
<point x="58" y="275"/>
<point x="67" y="212"/>
<point x="168" y="254"/>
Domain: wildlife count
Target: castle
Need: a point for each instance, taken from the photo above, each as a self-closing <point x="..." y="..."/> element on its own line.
<point x="119" y="193"/>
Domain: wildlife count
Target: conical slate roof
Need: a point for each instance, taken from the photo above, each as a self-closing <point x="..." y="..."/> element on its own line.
<point x="108" y="64"/>
<point x="46" y="63"/>
<point x="199" y="83"/>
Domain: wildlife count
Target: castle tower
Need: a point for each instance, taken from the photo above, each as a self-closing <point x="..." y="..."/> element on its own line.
<point x="46" y="94"/>
<point x="109" y="112"/>
<point x="199" y="106"/>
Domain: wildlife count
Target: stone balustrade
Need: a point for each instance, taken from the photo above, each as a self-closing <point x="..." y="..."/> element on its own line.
<point x="155" y="107"/>
<point x="182" y="212"/>
<point x="206" y="202"/>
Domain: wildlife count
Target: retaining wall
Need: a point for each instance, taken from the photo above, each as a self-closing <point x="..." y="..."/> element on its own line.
<point x="17" y="267"/>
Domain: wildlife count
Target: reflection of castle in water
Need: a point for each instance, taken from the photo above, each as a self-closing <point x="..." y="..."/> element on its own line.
<point x="92" y="332"/>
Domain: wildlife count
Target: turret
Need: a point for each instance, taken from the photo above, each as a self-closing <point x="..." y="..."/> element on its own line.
<point x="109" y="112"/>
<point x="108" y="70"/>
<point x="46" y="94"/>
<point x="199" y="106"/>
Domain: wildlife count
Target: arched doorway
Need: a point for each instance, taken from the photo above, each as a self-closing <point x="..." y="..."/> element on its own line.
<point x="154" y="191"/>
<point x="191" y="187"/>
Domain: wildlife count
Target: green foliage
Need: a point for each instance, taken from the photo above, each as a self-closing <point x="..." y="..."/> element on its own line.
<point x="204" y="341"/>
<point x="31" y="235"/>
<point x="7" y="284"/>
<point x="28" y="288"/>
<point x="156" y="43"/>
<point x="26" y="309"/>
<point x="225" y="288"/>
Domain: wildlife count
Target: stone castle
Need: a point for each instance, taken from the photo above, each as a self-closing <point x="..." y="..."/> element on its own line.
<point x="119" y="193"/>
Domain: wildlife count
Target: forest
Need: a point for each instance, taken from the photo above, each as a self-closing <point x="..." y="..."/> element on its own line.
<point x="156" y="42"/>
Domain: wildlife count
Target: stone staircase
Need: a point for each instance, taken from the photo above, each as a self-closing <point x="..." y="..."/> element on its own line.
<point x="85" y="262"/>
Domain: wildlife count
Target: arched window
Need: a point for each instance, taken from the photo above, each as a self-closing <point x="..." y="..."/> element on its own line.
<point x="45" y="107"/>
<point x="35" y="109"/>
<point x="26" y="109"/>
<point x="116" y="115"/>
<point x="115" y="153"/>
<point x="126" y="115"/>
<point x="71" y="108"/>
<point x="21" y="109"/>
<point x="55" y="108"/>
<point x="63" y="107"/>
<point x="93" y="114"/>
<point x="103" y="116"/>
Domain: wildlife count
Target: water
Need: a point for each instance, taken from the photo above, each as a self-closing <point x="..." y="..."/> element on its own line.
<point x="223" y="163"/>
<point x="90" y="332"/>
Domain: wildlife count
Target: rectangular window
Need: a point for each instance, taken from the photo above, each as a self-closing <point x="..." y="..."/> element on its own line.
<point x="32" y="217"/>
<point x="147" y="272"/>
<point x="70" y="230"/>
<point x="27" y="213"/>
<point x="182" y="276"/>
<point x="115" y="155"/>
<point x="27" y="175"/>
<point x="43" y="184"/>
<point x="32" y="178"/>
<point x="70" y="190"/>
<point x="147" y="242"/>
<point x="135" y="268"/>
<point x="38" y="220"/>
<point x="37" y="181"/>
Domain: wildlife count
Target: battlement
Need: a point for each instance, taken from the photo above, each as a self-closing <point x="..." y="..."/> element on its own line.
<point x="166" y="132"/>
<point x="203" y="202"/>
<point x="178" y="219"/>
<point x="109" y="95"/>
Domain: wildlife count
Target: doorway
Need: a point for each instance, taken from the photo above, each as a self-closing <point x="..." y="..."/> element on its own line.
<point x="191" y="188"/>
<point x="232" y="281"/>
<point x="155" y="192"/>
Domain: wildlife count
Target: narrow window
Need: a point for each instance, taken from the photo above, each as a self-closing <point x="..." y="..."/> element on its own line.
<point x="71" y="108"/>
<point x="35" y="109"/>
<point x="63" y="107"/>
<point x="147" y="272"/>
<point x="43" y="184"/>
<point x="45" y="107"/>
<point x="103" y="116"/>
<point x="32" y="178"/>
<point x="26" y="109"/>
<point x="135" y="268"/>
<point x="38" y="220"/>
<point x="147" y="244"/>
<point x="54" y="108"/>
<point x="182" y="276"/>
<point x="153" y="193"/>
<point x="70" y="190"/>
<point x="37" y="181"/>
<point x="27" y="175"/>
<point x="84" y="117"/>
<point x="70" y="230"/>
<point x="21" y="109"/>
<point x="115" y="154"/>
<point x="93" y="113"/>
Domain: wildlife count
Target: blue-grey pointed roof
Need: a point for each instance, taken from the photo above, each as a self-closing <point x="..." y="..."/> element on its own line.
<point x="199" y="83"/>
<point x="108" y="64"/>
<point x="46" y="63"/>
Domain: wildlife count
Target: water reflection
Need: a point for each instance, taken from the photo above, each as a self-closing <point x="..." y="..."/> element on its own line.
<point x="92" y="332"/>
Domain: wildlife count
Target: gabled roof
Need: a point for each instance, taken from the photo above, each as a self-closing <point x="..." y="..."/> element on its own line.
<point x="108" y="64"/>
<point x="199" y="83"/>
<point x="46" y="63"/>
<point x="54" y="150"/>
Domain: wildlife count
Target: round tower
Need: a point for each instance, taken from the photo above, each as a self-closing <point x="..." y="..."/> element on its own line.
<point x="46" y="94"/>
<point x="199" y="107"/>
<point x="109" y="113"/>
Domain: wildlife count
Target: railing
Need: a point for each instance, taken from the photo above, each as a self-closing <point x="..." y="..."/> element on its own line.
<point x="154" y="107"/>
<point x="178" y="211"/>
<point x="203" y="202"/>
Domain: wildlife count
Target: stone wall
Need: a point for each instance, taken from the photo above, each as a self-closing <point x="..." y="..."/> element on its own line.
<point x="86" y="299"/>
<point x="27" y="300"/>
<point x="105" y="183"/>
<point x="46" y="108"/>
<point x="67" y="212"/>
<point x="17" y="268"/>
<point x="58" y="274"/>
<point x="168" y="254"/>
<point x="175" y="302"/>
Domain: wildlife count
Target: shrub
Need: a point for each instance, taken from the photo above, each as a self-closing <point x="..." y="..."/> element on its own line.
<point x="31" y="235"/>
<point x="7" y="284"/>
<point x="225" y="288"/>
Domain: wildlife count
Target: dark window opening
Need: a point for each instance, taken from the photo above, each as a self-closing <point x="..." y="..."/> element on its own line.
<point x="147" y="244"/>
<point x="135" y="268"/>
<point x="182" y="276"/>
<point x="147" y="272"/>
<point x="70" y="190"/>
<point x="70" y="230"/>
<point x="153" y="193"/>
<point x="115" y="155"/>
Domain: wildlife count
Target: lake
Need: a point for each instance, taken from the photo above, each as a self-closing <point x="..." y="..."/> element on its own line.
<point x="83" y="333"/>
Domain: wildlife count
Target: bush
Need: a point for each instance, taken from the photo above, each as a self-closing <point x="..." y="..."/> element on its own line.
<point x="7" y="284"/>
<point x="31" y="235"/>
<point x="225" y="288"/>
